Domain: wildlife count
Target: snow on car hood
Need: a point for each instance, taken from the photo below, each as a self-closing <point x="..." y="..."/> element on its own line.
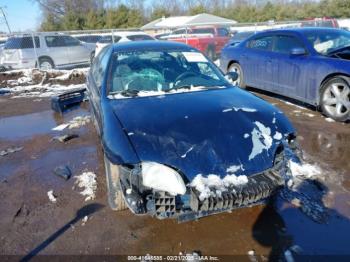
<point x="204" y="132"/>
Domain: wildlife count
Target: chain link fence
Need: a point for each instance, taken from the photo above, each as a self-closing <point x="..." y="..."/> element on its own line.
<point x="72" y="49"/>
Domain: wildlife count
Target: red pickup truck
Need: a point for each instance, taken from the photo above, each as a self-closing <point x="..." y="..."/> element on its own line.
<point x="209" y="40"/>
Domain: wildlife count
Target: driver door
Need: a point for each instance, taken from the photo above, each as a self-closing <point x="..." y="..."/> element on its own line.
<point x="292" y="69"/>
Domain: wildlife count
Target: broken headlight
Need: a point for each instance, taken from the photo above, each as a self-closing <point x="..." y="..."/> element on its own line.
<point x="162" y="178"/>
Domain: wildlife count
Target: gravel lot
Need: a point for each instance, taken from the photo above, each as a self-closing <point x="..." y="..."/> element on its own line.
<point x="29" y="221"/>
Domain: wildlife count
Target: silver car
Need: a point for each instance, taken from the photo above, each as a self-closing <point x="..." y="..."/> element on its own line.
<point x="51" y="50"/>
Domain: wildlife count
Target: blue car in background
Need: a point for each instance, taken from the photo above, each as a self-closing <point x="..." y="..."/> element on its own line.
<point x="179" y="140"/>
<point x="308" y="64"/>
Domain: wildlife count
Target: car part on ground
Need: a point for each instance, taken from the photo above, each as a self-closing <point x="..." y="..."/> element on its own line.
<point x="67" y="99"/>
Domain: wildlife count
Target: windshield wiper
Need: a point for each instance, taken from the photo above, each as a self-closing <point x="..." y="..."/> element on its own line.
<point x="128" y="92"/>
<point x="179" y="87"/>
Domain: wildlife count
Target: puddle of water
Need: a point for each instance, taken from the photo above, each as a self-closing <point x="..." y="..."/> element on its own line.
<point x="77" y="159"/>
<point x="26" y="126"/>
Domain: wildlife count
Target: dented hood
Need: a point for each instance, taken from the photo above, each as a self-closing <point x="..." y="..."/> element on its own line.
<point x="204" y="132"/>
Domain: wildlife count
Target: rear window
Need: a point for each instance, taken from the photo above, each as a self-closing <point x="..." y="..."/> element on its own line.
<point x="22" y="42"/>
<point x="139" y="37"/>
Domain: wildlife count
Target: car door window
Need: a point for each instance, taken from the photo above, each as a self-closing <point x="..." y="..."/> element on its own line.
<point x="223" y="32"/>
<point x="71" y="41"/>
<point x="284" y="44"/>
<point x="54" y="41"/>
<point x="99" y="66"/>
<point x="261" y="43"/>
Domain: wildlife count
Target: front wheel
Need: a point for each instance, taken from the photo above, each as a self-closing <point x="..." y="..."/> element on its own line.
<point x="115" y="195"/>
<point x="235" y="67"/>
<point x="45" y="63"/>
<point x="335" y="99"/>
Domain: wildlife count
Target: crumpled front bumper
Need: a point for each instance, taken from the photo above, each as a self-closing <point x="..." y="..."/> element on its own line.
<point x="190" y="207"/>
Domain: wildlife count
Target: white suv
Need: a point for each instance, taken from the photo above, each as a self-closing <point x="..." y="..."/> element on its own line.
<point x="121" y="36"/>
<point x="52" y="50"/>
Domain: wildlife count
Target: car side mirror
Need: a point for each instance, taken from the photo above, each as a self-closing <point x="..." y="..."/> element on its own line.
<point x="298" y="51"/>
<point x="232" y="76"/>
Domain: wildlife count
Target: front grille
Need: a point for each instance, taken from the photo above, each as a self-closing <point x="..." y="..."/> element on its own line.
<point x="259" y="187"/>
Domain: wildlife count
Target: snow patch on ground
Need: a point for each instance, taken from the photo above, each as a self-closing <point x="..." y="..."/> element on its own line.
<point x="87" y="181"/>
<point x="329" y="120"/>
<point x="46" y="90"/>
<point x="261" y="138"/>
<point x="39" y="83"/>
<point x="213" y="185"/>
<point x="51" y="196"/>
<point x="76" y="122"/>
<point x="304" y="170"/>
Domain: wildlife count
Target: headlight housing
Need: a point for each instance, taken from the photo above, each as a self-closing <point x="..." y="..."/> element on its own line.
<point x="162" y="178"/>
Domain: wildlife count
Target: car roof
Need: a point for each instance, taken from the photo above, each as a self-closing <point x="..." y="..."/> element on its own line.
<point x="151" y="45"/>
<point x="301" y="30"/>
<point x="128" y="33"/>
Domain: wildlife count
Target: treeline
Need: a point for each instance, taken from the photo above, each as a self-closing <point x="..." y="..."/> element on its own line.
<point x="99" y="14"/>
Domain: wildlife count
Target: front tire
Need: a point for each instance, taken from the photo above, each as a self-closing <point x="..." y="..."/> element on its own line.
<point x="335" y="98"/>
<point x="235" y="67"/>
<point x="46" y="63"/>
<point x="115" y="194"/>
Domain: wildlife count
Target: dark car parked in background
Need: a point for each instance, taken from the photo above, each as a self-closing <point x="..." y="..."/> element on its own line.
<point x="308" y="64"/>
<point x="179" y="140"/>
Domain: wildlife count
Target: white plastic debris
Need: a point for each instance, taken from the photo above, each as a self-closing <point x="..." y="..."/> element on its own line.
<point x="51" y="196"/>
<point x="87" y="181"/>
<point x="129" y="191"/>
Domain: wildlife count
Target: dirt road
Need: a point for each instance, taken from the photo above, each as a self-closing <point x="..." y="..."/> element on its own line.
<point x="29" y="221"/>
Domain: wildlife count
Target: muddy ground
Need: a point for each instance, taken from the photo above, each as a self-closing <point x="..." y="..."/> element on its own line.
<point x="30" y="222"/>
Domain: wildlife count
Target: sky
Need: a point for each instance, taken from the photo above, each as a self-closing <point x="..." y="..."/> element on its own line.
<point x="21" y="15"/>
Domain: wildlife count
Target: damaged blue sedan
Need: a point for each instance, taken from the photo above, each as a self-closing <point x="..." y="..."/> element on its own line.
<point x="179" y="140"/>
